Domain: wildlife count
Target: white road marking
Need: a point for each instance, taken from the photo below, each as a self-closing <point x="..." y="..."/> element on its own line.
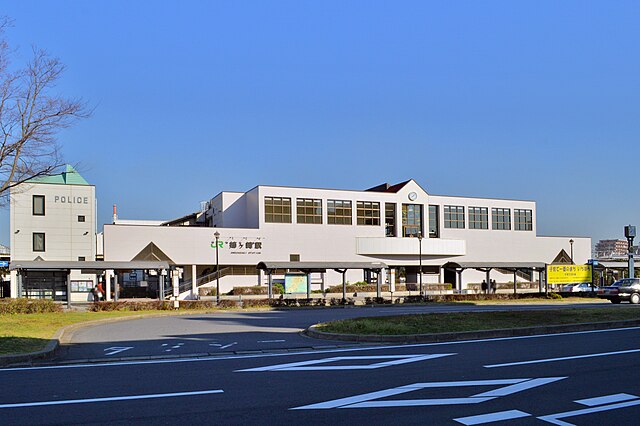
<point x="555" y="418"/>
<point x="564" y="358"/>
<point x="229" y="345"/>
<point x="607" y="399"/>
<point x="315" y="352"/>
<point x="108" y="399"/>
<point x="176" y="347"/>
<point x="371" y="400"/>
<point x="117" y="349"/>
<point x="305" y="365"/>
<point x="492" y="417"/>
<point x="271" y="341"/>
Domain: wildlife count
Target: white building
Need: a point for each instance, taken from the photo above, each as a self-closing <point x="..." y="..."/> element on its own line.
<point x="53" y="218"/>
<point x="382" y="224"/>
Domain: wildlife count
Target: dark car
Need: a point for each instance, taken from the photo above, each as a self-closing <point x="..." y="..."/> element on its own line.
<point x="624" y="289"/>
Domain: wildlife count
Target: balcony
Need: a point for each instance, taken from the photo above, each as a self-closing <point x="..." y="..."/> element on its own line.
<point x="410" y="246"/>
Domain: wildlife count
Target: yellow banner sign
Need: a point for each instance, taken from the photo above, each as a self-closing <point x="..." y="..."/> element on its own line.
<point x="568" y="274"/>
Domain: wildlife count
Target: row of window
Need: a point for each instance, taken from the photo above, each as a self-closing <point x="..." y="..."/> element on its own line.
<point x="309" y="210"/>
<point x="479" y="218"/>
<point x="39" y="210"/>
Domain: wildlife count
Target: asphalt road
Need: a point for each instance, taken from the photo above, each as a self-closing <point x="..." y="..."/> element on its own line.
<point x="233" y="331"/>
<point x="586" y="378"/>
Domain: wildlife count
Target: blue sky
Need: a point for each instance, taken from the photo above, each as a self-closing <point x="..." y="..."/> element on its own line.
<point x="527" y="100"/>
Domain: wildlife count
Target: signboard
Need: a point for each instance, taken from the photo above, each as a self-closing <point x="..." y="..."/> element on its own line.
<point x="4" y="263"/>
<point x="568" y="274"/>
<point x="295" y="283"/>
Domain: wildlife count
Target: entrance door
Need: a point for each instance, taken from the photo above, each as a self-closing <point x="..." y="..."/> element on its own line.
<point x="450" y="277"/>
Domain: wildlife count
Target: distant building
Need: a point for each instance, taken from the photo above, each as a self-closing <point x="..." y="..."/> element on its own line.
<point x="606" y="249"/>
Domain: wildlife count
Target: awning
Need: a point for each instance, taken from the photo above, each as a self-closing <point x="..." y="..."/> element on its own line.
<point x="88" y="265"/>
<point x="495" y="265"/>
<point x="321" y="266"/>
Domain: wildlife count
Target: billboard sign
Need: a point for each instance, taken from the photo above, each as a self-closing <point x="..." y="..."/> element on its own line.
<point x="295" y="284"/>
<point x="568" y="274"/>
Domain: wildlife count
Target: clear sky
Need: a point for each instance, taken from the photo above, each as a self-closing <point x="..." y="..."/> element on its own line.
<point x="535" y="100"/>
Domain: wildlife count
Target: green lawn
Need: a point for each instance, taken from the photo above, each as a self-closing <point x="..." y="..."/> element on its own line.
<point x="474" y="321"/>
<point x="23" y="333"/>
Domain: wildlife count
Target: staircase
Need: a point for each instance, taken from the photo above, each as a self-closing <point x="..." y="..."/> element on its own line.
<point x="185" y="286"/>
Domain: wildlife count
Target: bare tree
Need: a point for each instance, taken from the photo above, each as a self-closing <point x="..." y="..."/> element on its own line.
<point x="31" y="116"/>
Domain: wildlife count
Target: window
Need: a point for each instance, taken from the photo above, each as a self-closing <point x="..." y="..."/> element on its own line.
<point x="339" y="212"/>
<point x="81" y="258"/>
<point x="38" y="205"/>
<point x="38" y="241"/>
<point x="522" y="220"/>
<point x="81" y="218"/>
<point x="309" y="210"/>
<point x="501" y="218"/>
<point x="434" y="222"/>
<point x="454" y="217"/>
<point x="294" y="258"/>
<point x="277" y="210"/>
<point x="368" y="213"/>
<point x="390" y="219"/>
<point x="411" y="220"/>
<point x="478" y="218"/>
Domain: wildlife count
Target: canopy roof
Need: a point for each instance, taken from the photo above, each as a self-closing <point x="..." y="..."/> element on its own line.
<point x="496" y="265"/>
<point x="100" y="266"/>
<point x="320" y="266"/>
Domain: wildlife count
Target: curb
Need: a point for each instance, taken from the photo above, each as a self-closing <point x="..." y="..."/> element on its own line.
<point x="466" y="335"/>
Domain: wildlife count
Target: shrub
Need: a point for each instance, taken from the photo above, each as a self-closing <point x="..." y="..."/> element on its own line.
<point x="553" y="295"/>
<point x="227" y="304"/>
<point x="256" y="303"/>
<point x="277" y="288"/>
<point x="27" y="306"/>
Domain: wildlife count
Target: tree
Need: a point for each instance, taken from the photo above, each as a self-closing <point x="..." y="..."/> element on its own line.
<point x="31" y="116"/>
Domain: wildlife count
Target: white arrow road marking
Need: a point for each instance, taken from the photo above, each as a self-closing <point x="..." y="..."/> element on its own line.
<point x="108" y="399"/>
<point x="555" y="418"/>
<point x="229" y="345"/>
<point x="607" y="399"/>
<point x="368" y="400"/>
<point x="492" y="417"/>
<point x="117" y="349"/>
<point x="309" y="365"/>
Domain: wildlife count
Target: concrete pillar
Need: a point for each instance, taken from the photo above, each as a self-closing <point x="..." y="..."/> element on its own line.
<point x="161" y="275"/>
<point x="13" y="286"/>
<point x="459" y="283"/>
<point x="270" y="285"/>
<point x="488" y="280"/>
<point x="308" y="285"/>
<point x="322" y="281"/>
<point x="107" y="284"/>
<point x="382" y="276"/>
<point x="259" y="277"/>
<point x="392" y="279"/>
<point x="68" y="289"/>
<point x="115" y="287"/>
<point x="194" y="284"/>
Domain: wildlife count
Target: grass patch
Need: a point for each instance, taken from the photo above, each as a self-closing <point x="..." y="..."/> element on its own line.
<point x="475" y="321"/>
<point x="22" y="333"/>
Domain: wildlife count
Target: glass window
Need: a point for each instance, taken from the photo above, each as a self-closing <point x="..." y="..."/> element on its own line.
<point x="308" y="210"/>
<point x="434" y="222"/>
<point x="277" y="210"/>
<point x="339" y="212"/>
<point x="368" y="213"/>
<point x="390" y="219"/>
<point x="454" y="217"/>
<point x="81" y="218"/>
<point x="478" y="218"/>
<point x="411" y="220"/>
<point x="522" y="220"/>
<point x="38" y="205"/>
<point x="501" y="218"/>
<point x="38" y="241"/>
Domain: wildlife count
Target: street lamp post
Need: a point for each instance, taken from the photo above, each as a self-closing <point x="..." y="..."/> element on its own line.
<point x="217" y="235"/>
<point x="420" y="257"/>
<point x="571" y="245"/>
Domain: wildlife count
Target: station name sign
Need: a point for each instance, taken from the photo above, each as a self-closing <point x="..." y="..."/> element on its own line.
<point x="240" y="245"/>
<point x="70" y="200"/>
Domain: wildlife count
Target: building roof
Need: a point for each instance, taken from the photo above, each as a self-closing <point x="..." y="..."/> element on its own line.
<point x="69" y="177"/>
<point x="497" y="265"/>
<point x="4" y="250"/>
<point x="88" y="265"/>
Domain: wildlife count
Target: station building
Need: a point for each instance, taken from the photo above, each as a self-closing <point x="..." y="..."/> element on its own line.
<point x="457" y="240"/>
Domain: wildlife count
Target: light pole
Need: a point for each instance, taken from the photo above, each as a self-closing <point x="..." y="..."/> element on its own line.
<point x="217" y="235"/>
<point x="420" y="257"/>
<point x="571" y="244"/>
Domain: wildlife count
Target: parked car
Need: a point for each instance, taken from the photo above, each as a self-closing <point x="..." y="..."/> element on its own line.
<point x="624" y="289"/>
<point x="578" y="287"/>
